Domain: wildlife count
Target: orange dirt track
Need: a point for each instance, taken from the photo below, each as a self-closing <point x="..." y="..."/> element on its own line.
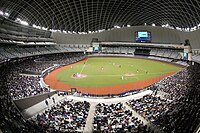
<point x="54" y="83"/>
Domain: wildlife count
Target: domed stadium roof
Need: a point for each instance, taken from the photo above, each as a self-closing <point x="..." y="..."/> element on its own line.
<point x="94" y="15"/>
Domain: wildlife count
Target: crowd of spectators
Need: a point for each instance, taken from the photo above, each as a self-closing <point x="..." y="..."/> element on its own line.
<point x="149" y="106"/>
<point x="43" y="62"/>
<point x="179" y="109"/>
<point x="115" y="118"/>
<point x="183" y="115"/>
<point x="66" y="116"/>
<point x="21" y="86"/>
<point x="14" y="85"/>
<point x="32" y="66"/>
<point x="11" y="119"/>
<point x="64" y="58"/>
<point x="175" y="86"/>
<point x="25" y="86"/>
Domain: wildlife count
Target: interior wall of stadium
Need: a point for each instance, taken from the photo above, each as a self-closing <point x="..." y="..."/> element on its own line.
<point x="159" y="35"/>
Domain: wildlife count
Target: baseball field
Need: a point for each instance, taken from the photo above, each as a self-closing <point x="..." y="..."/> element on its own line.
<point x="100" y="73"/>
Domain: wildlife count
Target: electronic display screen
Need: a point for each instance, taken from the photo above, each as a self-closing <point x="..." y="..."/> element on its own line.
<point x="143" y="36"/>
<point x="95" y="49"/>
<point x="185" y="56"/>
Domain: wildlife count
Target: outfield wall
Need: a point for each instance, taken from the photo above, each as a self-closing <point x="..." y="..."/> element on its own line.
<point x="133" y="56"/>
<point x="159" y="35"/>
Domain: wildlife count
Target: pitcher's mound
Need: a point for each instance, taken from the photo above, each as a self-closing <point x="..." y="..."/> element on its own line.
<point x="78" y="75"/>
<point x="129" y="74"/>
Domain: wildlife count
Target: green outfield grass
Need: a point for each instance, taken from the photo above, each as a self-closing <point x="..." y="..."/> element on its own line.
<point x="112" y="72"/>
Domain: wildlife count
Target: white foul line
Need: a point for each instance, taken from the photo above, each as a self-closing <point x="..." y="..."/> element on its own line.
<point x="83" y="67"/>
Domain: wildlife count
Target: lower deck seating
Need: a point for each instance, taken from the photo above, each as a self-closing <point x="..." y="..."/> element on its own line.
<point x="115" y="118"/>
<point x="66" y="116"/>
<point x="150" y="107"/>
<point x="21" y="86"/>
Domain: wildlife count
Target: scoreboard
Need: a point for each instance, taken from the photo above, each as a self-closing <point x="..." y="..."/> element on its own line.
<point x="142" y="36"/>
<point x="96" y="46"/>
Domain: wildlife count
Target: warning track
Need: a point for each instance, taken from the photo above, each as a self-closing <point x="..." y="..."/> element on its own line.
<point x="54" y="83"/>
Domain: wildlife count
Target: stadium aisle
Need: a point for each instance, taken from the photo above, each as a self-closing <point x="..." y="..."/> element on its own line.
<point x="89" y="126"/>
<point x="111" y="100"/>
<point x="28" y="113"/>
<point x="135" y="114"/>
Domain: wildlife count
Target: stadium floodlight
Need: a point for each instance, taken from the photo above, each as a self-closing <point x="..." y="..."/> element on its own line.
<point x="101" y="30"/>
<point x="116" y="26"/>
<point x="178" y="28"/>
<point x="34" y="26"/>
<point x="74" y="32"/>
<point x="69" y="32"/>
<point x="6" y="14"/>
<point x="23" y="22"/>
<point x="43" y="28"/>
<point x="1" y="13"/>
<point x="52" y="30"/>
<point x="38" y="27"/>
